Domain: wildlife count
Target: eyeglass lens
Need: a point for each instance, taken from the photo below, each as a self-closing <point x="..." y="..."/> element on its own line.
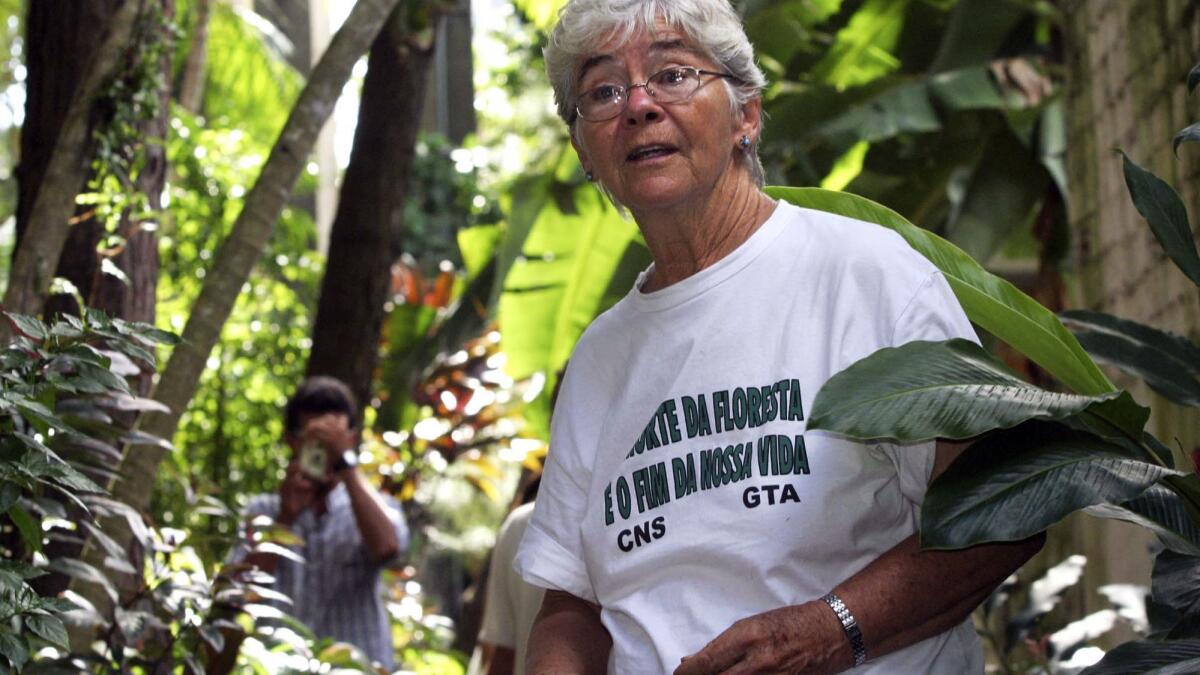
<point x="606" y="101"/>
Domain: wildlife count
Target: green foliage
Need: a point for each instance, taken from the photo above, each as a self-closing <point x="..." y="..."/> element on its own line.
<point x="232" y="429"/>
<point x="985" y="495"/>
<point x="249" y="84"/>
<point x="128" y="103"/>
<point x="442" y="199"/>
<point x="1161" y="206"/>
<point x="61" y="387"/>
<point x="1019" y="480"/>
<point x="1169" y="363"/>
<point x="926" y="390"/>
<point x="12" y="73"/>
<point x="940" y="104"/>
<point x="566" y="256"/>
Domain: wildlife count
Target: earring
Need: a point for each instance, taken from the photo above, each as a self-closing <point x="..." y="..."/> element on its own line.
<point x="745" y="142"/>
<point x="591" y="176"/>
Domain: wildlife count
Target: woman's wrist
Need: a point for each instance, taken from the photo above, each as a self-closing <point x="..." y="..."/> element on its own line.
<point x="849" y="625"/>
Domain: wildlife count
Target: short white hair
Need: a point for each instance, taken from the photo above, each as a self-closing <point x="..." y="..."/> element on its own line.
<point x="716" y="29"/>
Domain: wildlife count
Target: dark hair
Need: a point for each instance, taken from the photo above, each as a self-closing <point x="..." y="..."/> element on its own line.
<point x="316" y="396"/>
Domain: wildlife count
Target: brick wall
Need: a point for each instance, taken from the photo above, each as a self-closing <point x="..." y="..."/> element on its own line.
<point x="1127" y="62"/>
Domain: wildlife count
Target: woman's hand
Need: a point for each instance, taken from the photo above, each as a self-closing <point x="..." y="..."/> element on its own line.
<point x="799" y="639"/>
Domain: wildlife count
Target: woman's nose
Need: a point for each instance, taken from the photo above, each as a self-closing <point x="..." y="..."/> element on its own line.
<point x="643" y="107"/>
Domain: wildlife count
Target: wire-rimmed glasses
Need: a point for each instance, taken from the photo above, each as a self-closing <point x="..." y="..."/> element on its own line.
<point x="669" y="85"/>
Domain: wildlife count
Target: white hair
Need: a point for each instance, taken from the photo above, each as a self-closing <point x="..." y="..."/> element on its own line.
<point x="586" y="25"/>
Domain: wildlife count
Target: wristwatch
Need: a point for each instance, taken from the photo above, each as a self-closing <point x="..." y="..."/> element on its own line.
<point x="348" y="459"/>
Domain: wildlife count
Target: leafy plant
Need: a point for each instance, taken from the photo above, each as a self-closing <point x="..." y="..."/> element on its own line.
<point x="1024" y="628"/>
<point x="1050" y="453"/>
<point x="62" y="394"/>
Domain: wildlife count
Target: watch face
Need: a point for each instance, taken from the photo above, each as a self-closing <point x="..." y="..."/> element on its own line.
<point x="312" y="459"/>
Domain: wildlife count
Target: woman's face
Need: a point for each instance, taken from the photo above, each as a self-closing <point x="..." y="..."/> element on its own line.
<point x="655" y="155"/>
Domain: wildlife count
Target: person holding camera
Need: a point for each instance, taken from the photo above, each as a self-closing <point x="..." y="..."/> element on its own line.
<point x="349" y="531"/>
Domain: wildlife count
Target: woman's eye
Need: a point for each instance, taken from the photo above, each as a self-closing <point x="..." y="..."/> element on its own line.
<point x="605" y="92"/>
<point x="672" y="77"/>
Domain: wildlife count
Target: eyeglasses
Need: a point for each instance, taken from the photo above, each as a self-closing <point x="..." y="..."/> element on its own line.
<point x="671" y="85"/>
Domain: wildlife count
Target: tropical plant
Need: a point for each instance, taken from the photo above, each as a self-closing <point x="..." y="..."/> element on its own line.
<point x="1045" y="454"/>
<point x="61" y="389"/>
<point x="1027" y="632"/>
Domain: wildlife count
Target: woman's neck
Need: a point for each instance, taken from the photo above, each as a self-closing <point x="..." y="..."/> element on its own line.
<point x="692" y="236"/>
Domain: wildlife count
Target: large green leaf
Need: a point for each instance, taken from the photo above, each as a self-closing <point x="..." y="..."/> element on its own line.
<point x="861" y="51"/>
<point x="31" y="529"/>
<point x="249" y="82"/>
<point x="1188" y="133"/>
<point x="780" y="29"/>
<point x="1150" y="657"/>
<point x="1161" y="206"/>
<point x="1017" y="482"/>
<point x="1169" y="363"/>
<point x="989" y="301"/>
<point x="955" y="389"/>
<point x="49" y="628"/>
<point x="1175" y="584"/>
<point x="14" y="648"/>
<point x="571" y="267"/>
<point x="1008" y="183"/>
<point x="976" y="31"/>
<point x="1160" y="510"/>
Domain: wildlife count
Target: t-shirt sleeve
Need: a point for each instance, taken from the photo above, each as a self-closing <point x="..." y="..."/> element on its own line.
<point x="551" y="552"/>
<point x="932" y="314"/>
<point x="499" y="625"/>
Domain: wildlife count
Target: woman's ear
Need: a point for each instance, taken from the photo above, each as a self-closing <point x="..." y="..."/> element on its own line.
<point x="750" y="123"/>
<point x="579" y="150"/>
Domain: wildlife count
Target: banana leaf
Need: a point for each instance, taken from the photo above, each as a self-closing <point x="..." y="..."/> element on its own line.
<point x="1150" y="657"/>
<point x="955" y="389"/>
<point x="1169" y="363"/>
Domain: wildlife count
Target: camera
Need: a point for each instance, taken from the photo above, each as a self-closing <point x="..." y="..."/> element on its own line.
<point x="313" y="460"/>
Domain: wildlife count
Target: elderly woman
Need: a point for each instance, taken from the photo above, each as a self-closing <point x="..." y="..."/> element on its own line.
<point x="687" y="522"/>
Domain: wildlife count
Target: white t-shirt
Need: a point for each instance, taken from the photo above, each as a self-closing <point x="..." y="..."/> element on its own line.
<point x="512" y="604"/>
<point x="682" y="492"/>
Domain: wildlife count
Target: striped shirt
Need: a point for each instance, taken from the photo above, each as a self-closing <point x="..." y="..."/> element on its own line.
<point x="336" y="591"/>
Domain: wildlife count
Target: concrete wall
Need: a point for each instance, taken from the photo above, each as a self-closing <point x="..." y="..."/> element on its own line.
<point x="1127" y="62"/>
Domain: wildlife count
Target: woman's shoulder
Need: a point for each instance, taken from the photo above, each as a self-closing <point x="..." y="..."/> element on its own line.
<point x="849" y="243"/>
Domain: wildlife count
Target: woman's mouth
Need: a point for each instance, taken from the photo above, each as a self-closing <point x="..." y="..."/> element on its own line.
<point x="649" y="152"/>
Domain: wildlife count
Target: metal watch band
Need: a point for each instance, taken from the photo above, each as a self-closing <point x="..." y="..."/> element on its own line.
<point x="849" y="626"/>
<point x="348" y="458"/>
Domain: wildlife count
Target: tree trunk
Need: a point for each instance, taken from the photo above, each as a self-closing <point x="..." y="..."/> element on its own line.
<point x="370" y="213"/>
<point x="65" y="169"/>
<point x="60" y="40"/>
<point x="132" y="298"/>
<point x="191" y="76"/>
<point x="231" y="267"/>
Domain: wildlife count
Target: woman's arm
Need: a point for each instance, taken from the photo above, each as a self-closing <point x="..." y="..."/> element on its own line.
<point x="904" y="596"/>
<point x="568" y="638"/>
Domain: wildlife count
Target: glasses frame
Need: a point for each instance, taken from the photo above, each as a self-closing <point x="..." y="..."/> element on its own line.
<point x="626" y="89"/>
